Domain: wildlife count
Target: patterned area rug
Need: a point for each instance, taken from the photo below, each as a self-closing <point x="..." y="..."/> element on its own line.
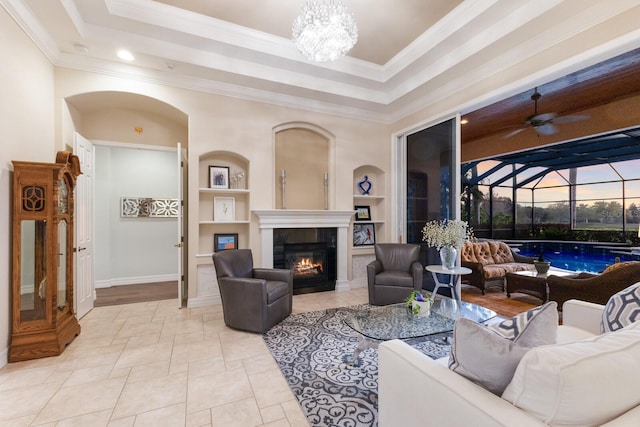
<point x="312" y="349"/>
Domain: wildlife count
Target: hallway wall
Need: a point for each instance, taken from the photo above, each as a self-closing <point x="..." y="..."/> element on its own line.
<point x="133" y="250"/>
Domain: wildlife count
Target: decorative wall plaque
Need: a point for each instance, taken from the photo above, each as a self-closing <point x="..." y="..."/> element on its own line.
<point x="146" y="207"/>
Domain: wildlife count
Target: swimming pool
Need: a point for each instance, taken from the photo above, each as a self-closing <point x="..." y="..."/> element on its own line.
<point x="576" y="256"/>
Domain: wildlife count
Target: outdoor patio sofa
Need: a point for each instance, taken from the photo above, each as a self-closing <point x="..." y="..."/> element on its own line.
<point x="585" y="379"/>
<point x="490" y="261"/>
<point x="596" y="288"/>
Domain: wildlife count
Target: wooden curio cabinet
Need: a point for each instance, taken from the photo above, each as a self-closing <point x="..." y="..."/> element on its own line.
<point x="43" y="318"/>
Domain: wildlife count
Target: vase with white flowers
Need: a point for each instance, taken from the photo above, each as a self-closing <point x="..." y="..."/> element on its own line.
<point x="447" y="236"/>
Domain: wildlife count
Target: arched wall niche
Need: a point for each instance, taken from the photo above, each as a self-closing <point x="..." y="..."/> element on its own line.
<point x="304" y="153"/>
<point x="127" y="117"/>
<point x="238" y="168"/>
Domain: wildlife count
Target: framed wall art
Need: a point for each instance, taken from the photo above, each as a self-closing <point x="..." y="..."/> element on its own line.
<point x="219" y="177"/>
<point x="364" y="235"/>
<point x="224" y="209"/>
<point x="363" y="213"/>
<point x="222" y="242"/>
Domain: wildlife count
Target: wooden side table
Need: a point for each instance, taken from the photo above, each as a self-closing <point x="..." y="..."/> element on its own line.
<point x="533" y="283"/>
<point x="454" y="278"/>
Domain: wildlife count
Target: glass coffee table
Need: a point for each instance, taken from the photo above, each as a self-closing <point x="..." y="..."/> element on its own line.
<point x="377" y="324"/>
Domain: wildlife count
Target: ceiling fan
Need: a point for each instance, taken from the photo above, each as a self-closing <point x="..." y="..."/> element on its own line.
<point x="544" y="124"/>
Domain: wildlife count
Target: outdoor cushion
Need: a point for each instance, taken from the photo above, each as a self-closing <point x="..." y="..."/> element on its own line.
<point x="584" y="383"/>
<point x="467" y="253"/>
<point x="500" y="252"/>
<point x="482" y="252"/>
<point x="622" y="309"/>
<point x="489" y="355"/>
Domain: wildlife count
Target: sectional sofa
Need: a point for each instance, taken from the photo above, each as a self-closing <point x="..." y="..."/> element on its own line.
<point x="599" y="385"/>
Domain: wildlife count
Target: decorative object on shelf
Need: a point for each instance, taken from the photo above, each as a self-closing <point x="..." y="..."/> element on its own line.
<point x="219" y="177"/>
<point x="325" y="180"/>
<point x="283" y="181"/>
<point x="418" y="304"/>
<point x="324" y="31"/>
<point x="236" y="179"/>
<point x="147" y="207"/>
<point x="365" y="186"/>
<point x="224" y="209"/>
<point x="363" y="213"/>
<point x="222" y="242"/>
<point x="446" y="235"/>
<point x="364" y="235"/>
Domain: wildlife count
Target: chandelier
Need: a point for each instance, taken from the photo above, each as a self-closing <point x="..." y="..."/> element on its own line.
<point x="325" y="30"/>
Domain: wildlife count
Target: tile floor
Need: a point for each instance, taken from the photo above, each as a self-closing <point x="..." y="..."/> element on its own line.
<point x="152" y="364"/>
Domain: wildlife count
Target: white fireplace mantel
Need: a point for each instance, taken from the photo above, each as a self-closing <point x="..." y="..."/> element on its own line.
<point x="270" y="219"/>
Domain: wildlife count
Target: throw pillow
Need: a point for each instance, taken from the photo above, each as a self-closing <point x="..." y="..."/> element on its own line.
<point x="622" y="309"/>
<point x="583" y="383"/>
<point x="489" y="355"/>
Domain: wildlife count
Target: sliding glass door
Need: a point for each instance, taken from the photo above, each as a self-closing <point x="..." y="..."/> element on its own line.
<point x="431" y="166"/>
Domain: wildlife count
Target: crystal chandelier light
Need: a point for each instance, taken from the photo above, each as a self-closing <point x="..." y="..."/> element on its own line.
<point x="325" y="30"/>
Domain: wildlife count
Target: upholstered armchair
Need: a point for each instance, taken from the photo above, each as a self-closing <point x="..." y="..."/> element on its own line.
<point x="596" y="288"/>
<point x="394" y="274"/>
<point x="253" y="299"/>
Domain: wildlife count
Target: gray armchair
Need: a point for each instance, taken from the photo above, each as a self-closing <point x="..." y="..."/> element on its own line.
<point x="394" y="274"/>
<point x="253" y="299"/>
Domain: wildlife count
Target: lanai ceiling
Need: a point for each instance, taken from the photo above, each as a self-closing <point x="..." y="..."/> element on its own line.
<point x="411" y="53"/>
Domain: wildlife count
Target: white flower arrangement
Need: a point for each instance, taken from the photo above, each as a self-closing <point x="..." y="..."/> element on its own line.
<point x="440" y="233"/>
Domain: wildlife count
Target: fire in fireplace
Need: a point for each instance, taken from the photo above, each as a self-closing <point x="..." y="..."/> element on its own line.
<point x="305" y="266"/>
<point x="310" y="255"/>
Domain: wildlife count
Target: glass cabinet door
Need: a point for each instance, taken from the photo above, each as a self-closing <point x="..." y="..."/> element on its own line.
<point x="62" y="264"/>
<point x="33" y="270"/>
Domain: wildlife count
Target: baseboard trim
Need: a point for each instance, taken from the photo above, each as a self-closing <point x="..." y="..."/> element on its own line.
<point x="359" y="283"/>
<point x="4" y="357"/>
<point x="135" y="280"/>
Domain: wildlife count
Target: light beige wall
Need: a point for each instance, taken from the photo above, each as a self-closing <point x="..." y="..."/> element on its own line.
<point x="303" y="155"/>
<point x="452" y="92"/>
<point x="218" y="123"/>
<point x="26" y="120"/>
<point x="119" y="124"/>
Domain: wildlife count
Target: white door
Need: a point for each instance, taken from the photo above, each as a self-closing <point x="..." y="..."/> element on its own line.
<point x="84" y="290"/>
<point x="181" y="156"/>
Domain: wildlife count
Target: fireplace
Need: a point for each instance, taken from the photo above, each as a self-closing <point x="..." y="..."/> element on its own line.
<point x="272" y="221"/>
<point x="311" y="254"/>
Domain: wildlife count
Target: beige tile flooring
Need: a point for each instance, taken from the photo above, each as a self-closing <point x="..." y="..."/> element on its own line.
<point x="152" y="364"/>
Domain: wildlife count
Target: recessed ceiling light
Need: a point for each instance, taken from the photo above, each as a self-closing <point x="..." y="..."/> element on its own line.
<point x="125" y="54"/>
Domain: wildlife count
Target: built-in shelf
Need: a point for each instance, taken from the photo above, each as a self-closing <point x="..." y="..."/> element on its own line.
<point x="362" y="250"/>
<point x="224" y="191"/>
<point x="223" y="222"/>
<point x="364" y="197"/>
<point x="241" y="197"/>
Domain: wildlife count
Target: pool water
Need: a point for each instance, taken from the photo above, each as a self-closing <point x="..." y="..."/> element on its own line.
<point x="576" y="256"/>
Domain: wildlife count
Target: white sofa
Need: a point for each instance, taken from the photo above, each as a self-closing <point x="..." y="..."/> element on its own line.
<point x="414" y="390"/>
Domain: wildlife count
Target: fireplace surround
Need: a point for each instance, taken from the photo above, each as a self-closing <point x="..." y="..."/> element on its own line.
<point x="271" y="220"/>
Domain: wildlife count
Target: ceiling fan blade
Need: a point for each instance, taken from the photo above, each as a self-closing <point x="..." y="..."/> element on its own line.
<point x="546" y="129"/>
<point x="515" y="132"/>
<point x="541" y="117"/>
<point x="571" y="119"/>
